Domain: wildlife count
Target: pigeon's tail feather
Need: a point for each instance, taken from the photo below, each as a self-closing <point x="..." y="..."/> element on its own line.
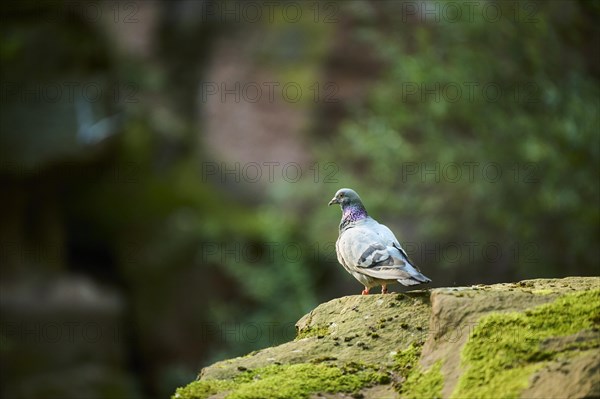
<point x="408" y="282"/>
<point x="421" y="278"/>
<point x="416" y="274"/>
<point x="415" y="279"/>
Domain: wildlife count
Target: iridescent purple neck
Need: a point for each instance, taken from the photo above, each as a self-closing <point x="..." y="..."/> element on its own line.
<point x="352" y="213"/>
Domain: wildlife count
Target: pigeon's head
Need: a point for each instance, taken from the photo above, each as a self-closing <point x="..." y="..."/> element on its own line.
<point x="345" y="197"/>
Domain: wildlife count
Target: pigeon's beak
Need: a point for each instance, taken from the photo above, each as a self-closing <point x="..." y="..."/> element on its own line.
<point x="334" y="200"/>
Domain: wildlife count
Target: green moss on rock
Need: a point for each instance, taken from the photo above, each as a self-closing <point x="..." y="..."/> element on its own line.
<point x="288" y="381"/>
<point x="417" y="383"/>
<point x="407" y="360"/>
<point x="346" y="329"/>
<point x="203" y="389"/>
<point x="505" y="349"/>
<point x="313" y="331"/>
<point x="424" y="384"/>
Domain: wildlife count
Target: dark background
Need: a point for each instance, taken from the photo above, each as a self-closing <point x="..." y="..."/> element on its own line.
<point x="166" y="167"/>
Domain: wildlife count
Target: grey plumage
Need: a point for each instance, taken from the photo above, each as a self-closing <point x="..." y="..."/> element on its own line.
<point x="369" y="250"/>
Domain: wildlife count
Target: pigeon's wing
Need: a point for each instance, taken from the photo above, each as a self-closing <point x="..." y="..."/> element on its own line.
<point x="370" y="248"/>
<point x="388" y="235"/>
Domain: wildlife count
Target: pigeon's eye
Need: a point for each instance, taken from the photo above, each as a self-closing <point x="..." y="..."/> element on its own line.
<point x="340" y="195"/>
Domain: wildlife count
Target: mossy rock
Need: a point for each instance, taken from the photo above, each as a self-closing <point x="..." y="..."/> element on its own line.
<point x="459" y="313"/>
<point x="535" y="338"/>
<point x="368" y="329"/>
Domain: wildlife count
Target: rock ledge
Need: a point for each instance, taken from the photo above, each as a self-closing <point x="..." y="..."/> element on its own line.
<point x="539" y="338"/>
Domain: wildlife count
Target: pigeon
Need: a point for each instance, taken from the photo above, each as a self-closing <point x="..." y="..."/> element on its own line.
<point x="369" y="250"/>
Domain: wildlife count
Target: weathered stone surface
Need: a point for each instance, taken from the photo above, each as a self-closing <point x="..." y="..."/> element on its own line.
<point x="456" y="311"/>
<point x="368" y="329"/>
<point x="577" y="378"/>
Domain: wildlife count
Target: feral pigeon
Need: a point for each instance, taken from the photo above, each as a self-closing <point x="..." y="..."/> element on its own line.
<point x="369" y="250"/>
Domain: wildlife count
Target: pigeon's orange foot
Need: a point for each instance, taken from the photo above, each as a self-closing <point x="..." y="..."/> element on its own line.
<point x="384" y="289"/>
<point x="365" y="291"/>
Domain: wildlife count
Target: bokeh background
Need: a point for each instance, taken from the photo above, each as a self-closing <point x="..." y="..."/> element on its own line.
<point x="166" y="167"/>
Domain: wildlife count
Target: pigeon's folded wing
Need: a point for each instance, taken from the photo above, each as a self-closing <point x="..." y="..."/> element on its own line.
<point x="371" y="249"/>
